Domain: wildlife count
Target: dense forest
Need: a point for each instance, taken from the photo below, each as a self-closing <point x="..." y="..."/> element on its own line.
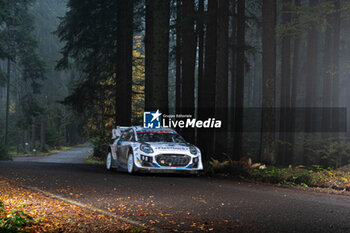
<point x="30" y="87"/>
<point x="274" y="72"/>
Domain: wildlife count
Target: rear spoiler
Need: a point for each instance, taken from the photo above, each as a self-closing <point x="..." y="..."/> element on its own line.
<point x="116" y="133"/>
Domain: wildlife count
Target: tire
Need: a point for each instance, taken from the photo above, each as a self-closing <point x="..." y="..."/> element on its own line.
<point x="109" y="161"/>
<point x="130" y="164"/>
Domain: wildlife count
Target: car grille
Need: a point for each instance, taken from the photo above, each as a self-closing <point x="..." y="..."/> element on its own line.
<point x="173" y="160"/>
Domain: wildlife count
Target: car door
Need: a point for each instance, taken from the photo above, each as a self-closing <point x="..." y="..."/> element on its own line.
<point x="113" y="148"/>
<point x="123" y="146"/>
<point x="119" y="145"/>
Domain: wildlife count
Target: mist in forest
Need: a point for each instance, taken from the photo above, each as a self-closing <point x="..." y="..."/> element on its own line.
<point x="275" y="72"/>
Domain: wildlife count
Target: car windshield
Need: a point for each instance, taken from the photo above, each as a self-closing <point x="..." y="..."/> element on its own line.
<point x="149" y="136"/>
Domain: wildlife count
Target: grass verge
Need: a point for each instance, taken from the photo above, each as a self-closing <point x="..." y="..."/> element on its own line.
<point x="94" y="160"/>
<point x="307" y="177"/>
<point x="314" y="176"/>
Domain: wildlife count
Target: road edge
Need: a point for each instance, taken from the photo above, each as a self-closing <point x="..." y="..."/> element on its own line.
<point x="93" y="209"/>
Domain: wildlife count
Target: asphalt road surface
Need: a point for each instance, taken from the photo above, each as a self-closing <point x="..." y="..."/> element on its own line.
<point x="76" y="155"/>
<point x="186" y="203"/>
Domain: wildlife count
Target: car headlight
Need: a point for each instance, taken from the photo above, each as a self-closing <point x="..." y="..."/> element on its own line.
<point x="193" y="150"/>
<point x="146" y="148"/>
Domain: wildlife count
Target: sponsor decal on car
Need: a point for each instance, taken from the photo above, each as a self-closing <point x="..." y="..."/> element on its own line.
<point x="171" y="148"/>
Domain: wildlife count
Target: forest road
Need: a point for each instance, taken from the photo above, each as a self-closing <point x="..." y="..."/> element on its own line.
<point x="76" y="155"/>
<point x="187" y="204"/>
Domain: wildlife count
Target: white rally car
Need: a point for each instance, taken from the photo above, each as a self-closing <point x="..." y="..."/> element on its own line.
<point x="142" y="149"/>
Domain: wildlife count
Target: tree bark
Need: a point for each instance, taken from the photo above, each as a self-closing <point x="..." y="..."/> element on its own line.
<point x="33" y="135"/>
<point x="26" y="141"/>
<point x="285" y="87"/>
<point x="178" y="55"/>
<point x="233" y="64"/>
<point x="221" y="99"/>
<point x="311" y="73"/>
<point x="200" y="39"/>
<point x="124" y="62"/>
<point x="158" y="52"/>
<point x="295" y="82"/>
<point x="267" y="151"/>
<point x="7" y="101"/>
<point x="310" y="82"/>
<point x="335" y="86"/>
<point x="239" y="92"/>
<point x="327" y="75"/>
<point x="188" y="63"/>
<point x="149" y="55"/>
<point x="43" y="134"/>
<point x="206" y="92"/>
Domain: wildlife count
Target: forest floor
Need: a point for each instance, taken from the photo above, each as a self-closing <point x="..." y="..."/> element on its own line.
<point x="95" y="160"/>
<point x="35" y="212"/>
<point x="313" y="176"/>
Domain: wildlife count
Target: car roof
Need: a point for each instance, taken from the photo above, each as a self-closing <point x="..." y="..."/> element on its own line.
<point x="160" y="130"/>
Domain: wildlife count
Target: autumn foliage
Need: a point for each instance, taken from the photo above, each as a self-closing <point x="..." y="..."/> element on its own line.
<point x="22" y="210"/>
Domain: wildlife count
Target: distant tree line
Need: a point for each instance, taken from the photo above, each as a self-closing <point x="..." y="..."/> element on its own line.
<point x="29" y="111"/>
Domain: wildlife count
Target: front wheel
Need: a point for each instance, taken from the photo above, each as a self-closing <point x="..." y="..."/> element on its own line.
<point x="109" y="161"/>
<point x="131" y="166"/>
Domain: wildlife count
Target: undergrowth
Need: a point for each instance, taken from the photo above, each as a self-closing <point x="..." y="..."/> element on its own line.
<point x="15" y="221"/>
<point x="314" y="176"/>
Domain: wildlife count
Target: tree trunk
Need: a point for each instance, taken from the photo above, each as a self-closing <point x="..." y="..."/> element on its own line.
<point x="327" y="75"/>
<point x="310" y="82"/>
<point x="158" y="52"/>
<point x="26" y="141"/>
<point x="239" y="91"/>
<point x="200" y="39"/>
<point x="188" y="63"/>
<point x="149" y="55"/>
<point x="43" y="134"/>
<point x="206" y="92"/>
<point x="233" y="69"/>
<point x="267" y="151"/>
<point x="7" y="101"/>
<point x="285" y="87"/>
<point x="178" y="55"/>
<point x="311" y="73"/>
<point x="221" y="99"/>
<point x="33" y="135"/>
<point x="336" y="42"/>
<point x="295" y="82"/>
<point x="124" y="62"/>
<point x="200" y="35"/>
